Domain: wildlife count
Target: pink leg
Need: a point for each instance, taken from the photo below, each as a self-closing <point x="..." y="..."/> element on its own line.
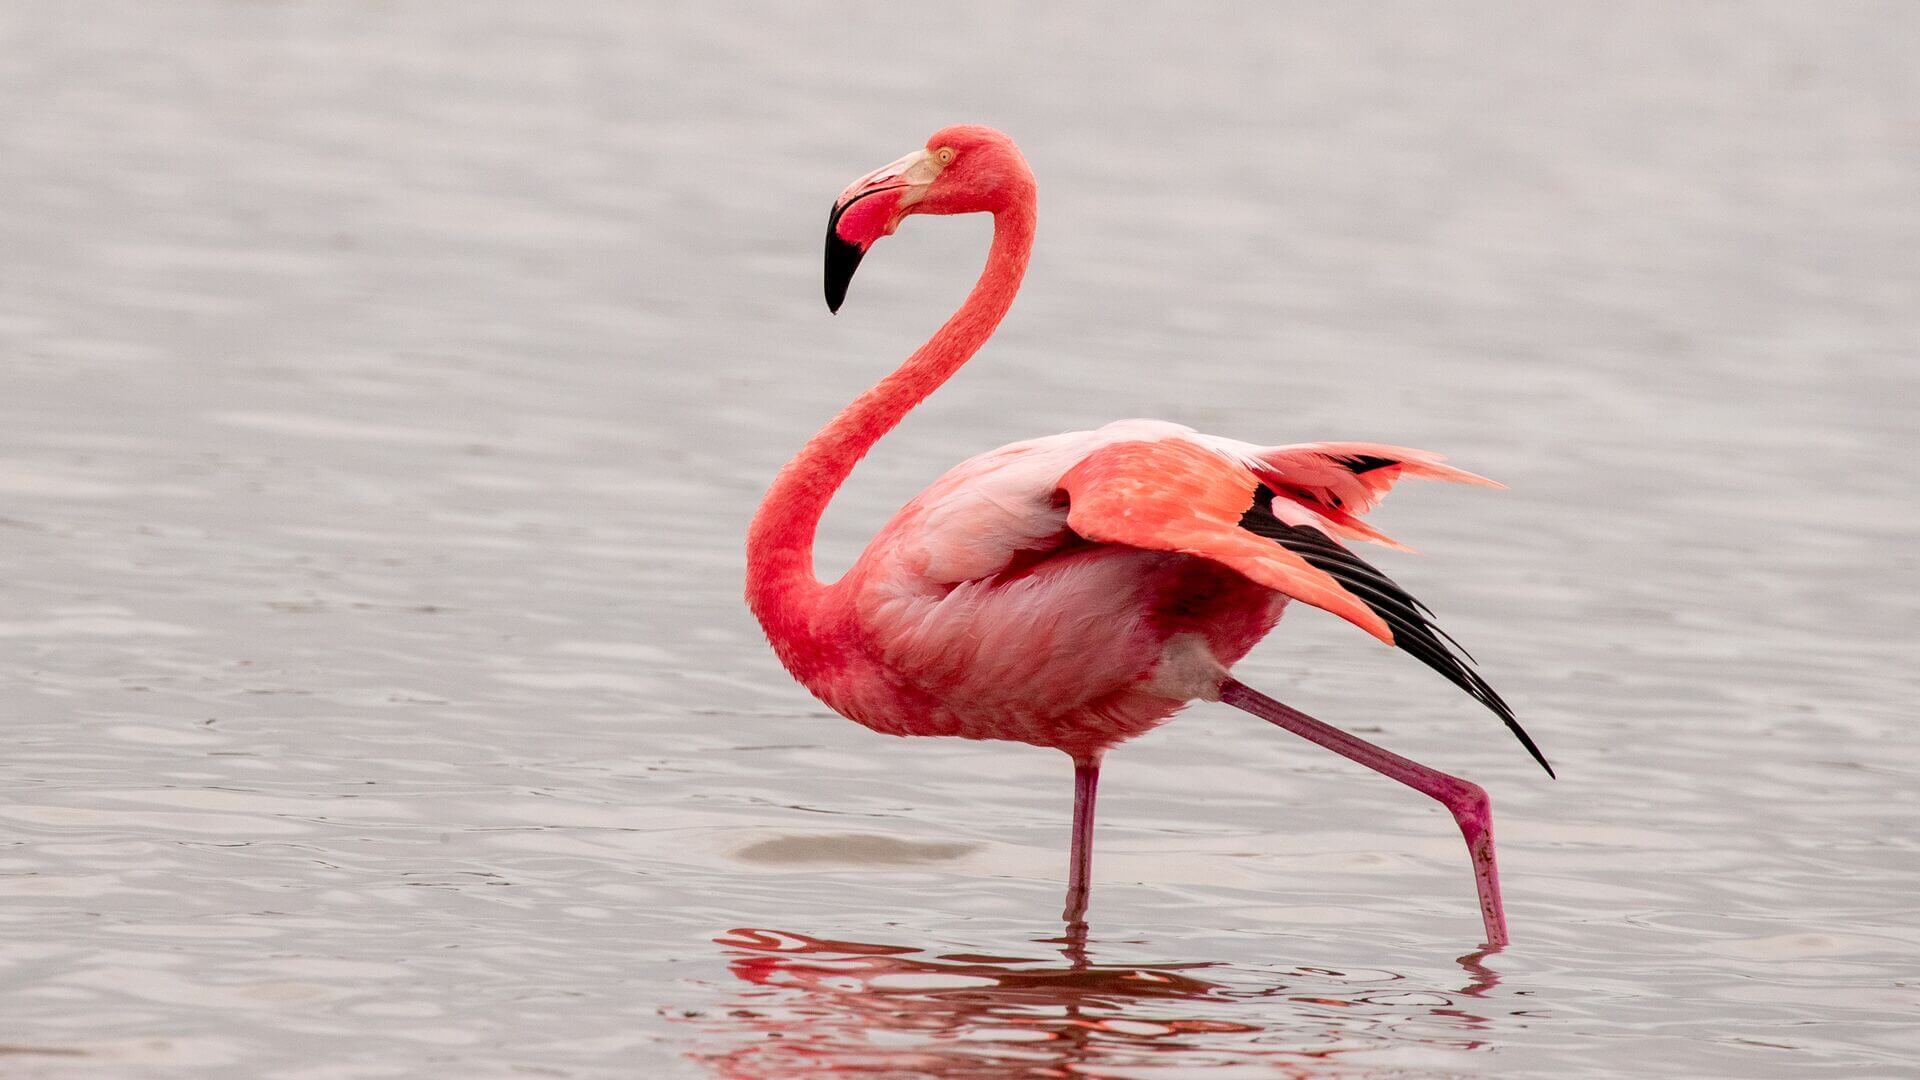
<point x="1465" y="800"/>
<point x="1086" y="777"/>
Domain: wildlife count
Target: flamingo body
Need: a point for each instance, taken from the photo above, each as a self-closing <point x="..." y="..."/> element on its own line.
<point x="989" y="607"/>
<point x="979" y="612"/>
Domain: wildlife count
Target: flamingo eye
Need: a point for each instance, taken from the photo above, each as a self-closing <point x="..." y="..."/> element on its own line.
<point x="944" y="155"/>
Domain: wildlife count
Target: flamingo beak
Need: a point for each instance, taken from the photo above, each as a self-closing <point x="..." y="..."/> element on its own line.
<point x="869" y="209"/>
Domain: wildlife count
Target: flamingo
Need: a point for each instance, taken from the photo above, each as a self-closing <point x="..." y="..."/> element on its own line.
<point x="1075" y="591"/>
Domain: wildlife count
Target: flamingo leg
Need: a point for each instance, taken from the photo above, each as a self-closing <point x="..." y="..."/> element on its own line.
<point x="1086" y="778"/>
<point x="1465" y="800"/>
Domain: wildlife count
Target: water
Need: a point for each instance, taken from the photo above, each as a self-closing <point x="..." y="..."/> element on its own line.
<point x="387" y="388"/>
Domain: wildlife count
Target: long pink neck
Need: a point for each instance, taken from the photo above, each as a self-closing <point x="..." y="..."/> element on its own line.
<point x="781" y="586"/>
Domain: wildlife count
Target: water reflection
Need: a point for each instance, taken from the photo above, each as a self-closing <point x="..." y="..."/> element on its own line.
<point x="814" y="1005"/>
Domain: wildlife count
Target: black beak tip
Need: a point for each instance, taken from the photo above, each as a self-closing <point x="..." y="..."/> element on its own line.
<point x="842" y="260"/>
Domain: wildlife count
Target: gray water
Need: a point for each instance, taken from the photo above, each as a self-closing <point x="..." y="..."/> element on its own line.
<point x="386" y="387"/>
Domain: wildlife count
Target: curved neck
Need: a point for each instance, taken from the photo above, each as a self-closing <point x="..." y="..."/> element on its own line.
<point x="781" y="587"/>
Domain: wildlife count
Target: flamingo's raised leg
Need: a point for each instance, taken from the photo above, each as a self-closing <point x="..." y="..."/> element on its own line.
<point x="1465" y="800"/>
<point x="1086" y="778"/>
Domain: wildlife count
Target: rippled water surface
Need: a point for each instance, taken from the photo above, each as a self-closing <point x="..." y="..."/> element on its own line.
<point x="386" y="387"/>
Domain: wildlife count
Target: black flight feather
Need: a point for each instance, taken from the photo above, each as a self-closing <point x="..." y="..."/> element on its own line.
<point x="1413" y="630"/>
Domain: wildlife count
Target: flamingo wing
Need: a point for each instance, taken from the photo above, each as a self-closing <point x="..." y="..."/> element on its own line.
<point x="1273" y="516"/>
<point x="1176" y="495"/>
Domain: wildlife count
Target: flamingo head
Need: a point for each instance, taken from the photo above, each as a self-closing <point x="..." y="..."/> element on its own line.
<point x="963" y="169"/>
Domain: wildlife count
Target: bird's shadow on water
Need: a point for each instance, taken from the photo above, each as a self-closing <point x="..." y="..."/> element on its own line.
<point x="818" y="1006"/>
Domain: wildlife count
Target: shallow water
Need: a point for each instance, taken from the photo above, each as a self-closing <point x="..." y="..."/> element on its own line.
<point x="387" y="388"/>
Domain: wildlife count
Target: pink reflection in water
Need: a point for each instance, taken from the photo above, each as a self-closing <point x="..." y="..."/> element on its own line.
<point x="821" y="1007"/>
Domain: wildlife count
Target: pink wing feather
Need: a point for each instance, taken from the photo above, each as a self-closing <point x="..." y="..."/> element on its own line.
<point x="1175" y="495"/>
<point x="1339" y="482"/>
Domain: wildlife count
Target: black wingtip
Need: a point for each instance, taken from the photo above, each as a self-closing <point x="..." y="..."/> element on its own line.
<point x="1477" y="687"/>
<point x="1463" y="676"/>
<point x="1527" y="741"/>
<point x="1414" y="630"/>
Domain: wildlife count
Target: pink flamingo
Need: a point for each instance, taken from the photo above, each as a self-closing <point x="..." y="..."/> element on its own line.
<point x="1077" y="590"/>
